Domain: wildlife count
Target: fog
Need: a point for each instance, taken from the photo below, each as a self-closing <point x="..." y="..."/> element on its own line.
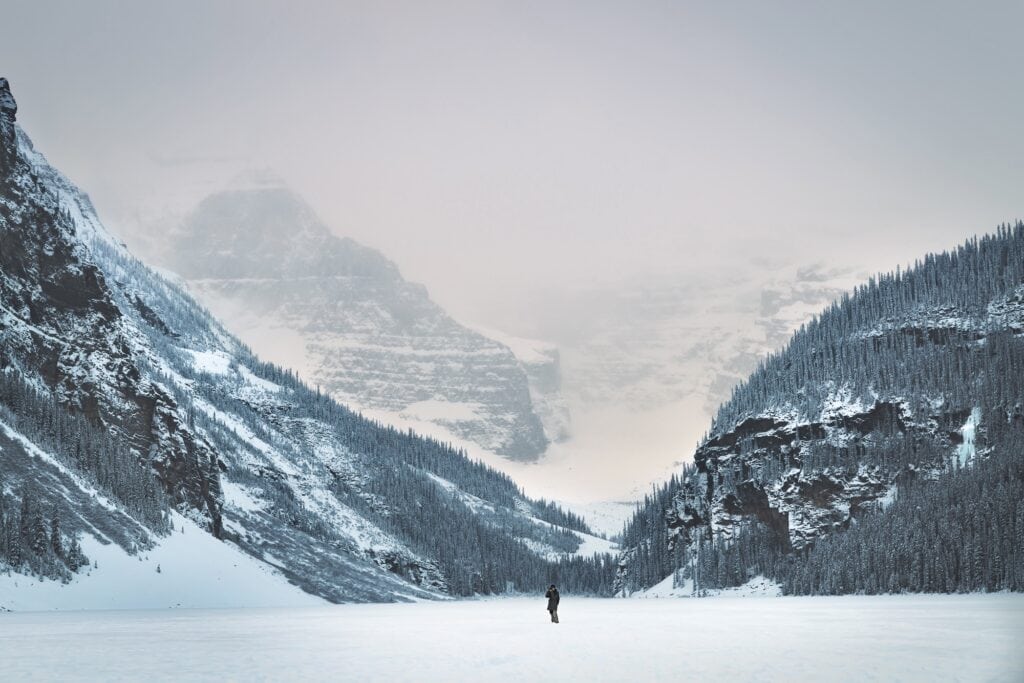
<point x="524" y="159"/>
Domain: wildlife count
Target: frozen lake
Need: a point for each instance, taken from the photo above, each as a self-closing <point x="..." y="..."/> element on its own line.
<point x="908" y="638"/>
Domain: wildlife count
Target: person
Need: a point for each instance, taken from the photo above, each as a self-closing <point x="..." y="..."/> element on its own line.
<point x="552" y="596"/>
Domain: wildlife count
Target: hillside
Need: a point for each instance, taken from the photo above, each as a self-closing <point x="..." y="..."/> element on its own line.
<point x="128" y="413"/>
<point x="881" y="450"/>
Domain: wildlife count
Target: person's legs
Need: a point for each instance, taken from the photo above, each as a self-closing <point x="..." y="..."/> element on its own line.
<point x="554" y="615"/>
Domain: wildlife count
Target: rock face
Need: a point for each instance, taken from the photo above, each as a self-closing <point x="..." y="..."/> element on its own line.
<point x="122" y="400"/>
<point x="63" y="327"/>
<point x="343" y="316"/>
<point x="796" y="476"/>
<point x="8" y="107"/>
<point x="542" y="363"/>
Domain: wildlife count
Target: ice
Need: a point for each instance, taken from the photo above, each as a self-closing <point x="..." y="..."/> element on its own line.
<point x="525" y="350"/>
<point x="966" y="451"/>
<point x="906" y="638"/>
<point x="586" y="473"/>
<point x="889" y="498"/>
<point x="606" y="517"/>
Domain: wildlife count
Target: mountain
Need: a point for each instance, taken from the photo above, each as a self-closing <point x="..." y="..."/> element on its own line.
<point x="542" y="363"/>
<point x="129" y="417"/>
<point x="658" y="340"/>
<point x="645" y="361"/>
<point x="342" y="315"/>
<point x="880" y="451"/>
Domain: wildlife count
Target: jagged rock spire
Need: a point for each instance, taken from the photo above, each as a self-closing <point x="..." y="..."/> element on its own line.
<point x="8" y="107"/>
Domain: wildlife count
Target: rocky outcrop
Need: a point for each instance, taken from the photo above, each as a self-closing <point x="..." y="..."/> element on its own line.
<point x="542" y="363"/>
<point x="804" y="479"/>
<point x="8" y="107"/>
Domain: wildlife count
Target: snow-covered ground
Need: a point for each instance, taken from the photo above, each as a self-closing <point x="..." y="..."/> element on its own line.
<point x="188" y="568"/>
<point x="900" y="638"/>
<point x="758" y="587"/>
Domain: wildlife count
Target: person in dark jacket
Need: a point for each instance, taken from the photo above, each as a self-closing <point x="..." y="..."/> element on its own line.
<point x="552" y="596"/>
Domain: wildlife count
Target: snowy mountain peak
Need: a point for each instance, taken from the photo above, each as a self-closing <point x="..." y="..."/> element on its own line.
<point x="268" y="231"/>
<point x="342" y="315"/>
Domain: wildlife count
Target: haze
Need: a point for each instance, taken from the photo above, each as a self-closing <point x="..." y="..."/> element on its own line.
<point x="510" y="154"/>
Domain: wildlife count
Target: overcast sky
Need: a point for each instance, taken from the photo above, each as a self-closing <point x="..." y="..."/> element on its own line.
<point x="490" y="146"/>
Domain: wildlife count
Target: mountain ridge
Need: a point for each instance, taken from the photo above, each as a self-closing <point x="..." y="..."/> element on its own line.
<point x="344" y="317"/>
<point x="906" y="390"/>
<point x="124" y="403"/>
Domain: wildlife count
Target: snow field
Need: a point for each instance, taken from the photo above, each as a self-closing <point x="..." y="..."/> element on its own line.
<point x="889" y="638"/>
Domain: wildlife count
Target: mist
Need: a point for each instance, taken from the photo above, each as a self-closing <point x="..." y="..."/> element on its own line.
<point x="536" y="165"/>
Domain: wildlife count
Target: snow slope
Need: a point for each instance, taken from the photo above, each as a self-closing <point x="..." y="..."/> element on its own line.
<point x="188" y="568"/>
<point x="896" y="638"/>
<point x="588" y="543"/>
<point x="757" y="587"/>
